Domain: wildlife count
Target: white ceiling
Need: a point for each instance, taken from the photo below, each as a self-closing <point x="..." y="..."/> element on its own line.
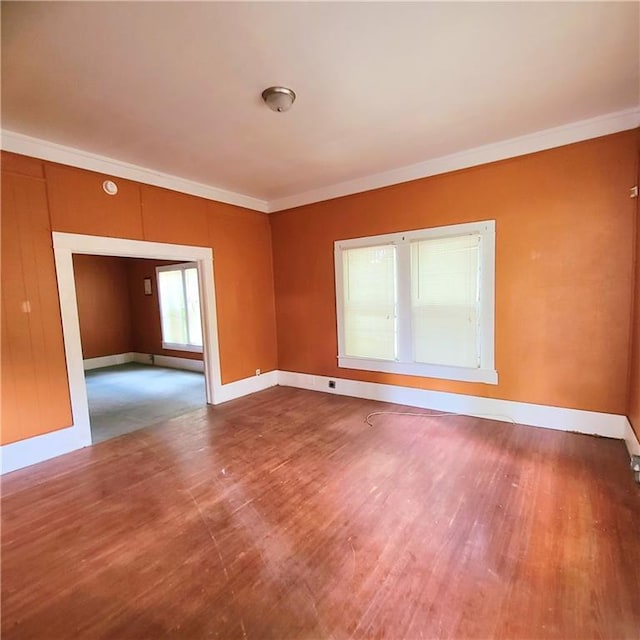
<point x="175" y="86"/>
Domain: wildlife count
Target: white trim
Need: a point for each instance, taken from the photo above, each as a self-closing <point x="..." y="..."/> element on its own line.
<point x="64" y="246"/>
<point x="536" y="415"/>
<point x="33" y="450"/>
<point x="405" y="237"/>
<point x="538" y="141"/>
<point x="403" y="364"/>
<point x="107" y="361"/>
<point x="631" y="440"/>
<point x="233" y="390"/>
<point x="176" y="346"/>
<point x="511" y="148"/>
<point x="440" y="371"/>
<point x="27" y="452"/>
<point x="39" y="148"/>
<point x="24" y="453"/>
<point x="172" y="362"/>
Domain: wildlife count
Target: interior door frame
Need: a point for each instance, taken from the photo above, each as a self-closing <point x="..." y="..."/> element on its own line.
<point x="64" y="246"/>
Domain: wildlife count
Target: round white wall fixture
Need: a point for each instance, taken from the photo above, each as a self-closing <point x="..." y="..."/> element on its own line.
<point x="110" y="187"/>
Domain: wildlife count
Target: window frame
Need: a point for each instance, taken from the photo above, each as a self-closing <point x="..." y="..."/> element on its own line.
<point x="404" y="363"/>
<point x="183" y="266"/>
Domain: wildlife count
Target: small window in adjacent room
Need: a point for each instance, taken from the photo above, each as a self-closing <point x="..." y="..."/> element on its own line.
<point x="419" y="302"/>
<point x="179" y="299"/>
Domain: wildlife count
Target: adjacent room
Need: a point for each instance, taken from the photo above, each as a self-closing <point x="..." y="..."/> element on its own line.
<point x="141" y="338"/>
<point x="320" y="320"/>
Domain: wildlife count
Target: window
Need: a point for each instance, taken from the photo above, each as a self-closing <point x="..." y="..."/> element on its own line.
<point x="179" y="299"/>
<point x="419" y="302"/>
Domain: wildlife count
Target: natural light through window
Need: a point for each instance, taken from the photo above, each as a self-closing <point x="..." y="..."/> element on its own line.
<point x="370" y="302"/>
<point x="419" y="302"/>
<point x="180" y="307"/>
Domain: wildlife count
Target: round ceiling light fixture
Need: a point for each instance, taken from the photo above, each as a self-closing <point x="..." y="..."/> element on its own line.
<point x="278" y="98"/>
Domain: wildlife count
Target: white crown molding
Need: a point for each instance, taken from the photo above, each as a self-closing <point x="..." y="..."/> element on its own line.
<point x="511" y="148"/>
<point x="38" y="148"/>
<point x="530" y="143"/>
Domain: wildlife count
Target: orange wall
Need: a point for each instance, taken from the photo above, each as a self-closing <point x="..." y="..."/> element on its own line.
<point x="104" y="311"/>
<point x="565" y="236"/>
<point x="242" y="261"/>
<point x="35" y="394"/>
<point x="115" y="314"/>
<point x="633" y="410"/>
<point x="241" y="242"/>
<point x="72" y="200"/>
<point x="146" y="330"/>
<point x="564" y="251"/>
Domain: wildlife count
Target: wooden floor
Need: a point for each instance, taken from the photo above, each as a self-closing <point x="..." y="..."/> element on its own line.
<point x="284" y="515"/>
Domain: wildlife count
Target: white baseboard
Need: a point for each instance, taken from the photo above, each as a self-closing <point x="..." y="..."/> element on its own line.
<point x="173" y="362"/>
<point x="107" y="361"/>
<point x="631" y="440"/>
<point x="27" y="452"/>
<point x="590" y="422"/>
<point x="49" y="445"/>
<point x="244" y="387"/>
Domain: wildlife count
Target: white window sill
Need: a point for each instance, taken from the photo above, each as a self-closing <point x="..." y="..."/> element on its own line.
<point x="463" y="374"/>
<point x="182" y="347"/>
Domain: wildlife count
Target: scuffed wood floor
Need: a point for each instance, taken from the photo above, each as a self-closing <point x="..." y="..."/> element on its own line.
<point x="284" y="515"/>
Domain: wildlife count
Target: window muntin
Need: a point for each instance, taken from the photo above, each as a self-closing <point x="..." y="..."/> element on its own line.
<point x="179" y="299"/>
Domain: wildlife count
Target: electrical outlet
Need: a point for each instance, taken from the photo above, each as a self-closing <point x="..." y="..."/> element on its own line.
<point x="257" y="372"/>
<point x="332" y="384"/>
<point x="635" y="467"/>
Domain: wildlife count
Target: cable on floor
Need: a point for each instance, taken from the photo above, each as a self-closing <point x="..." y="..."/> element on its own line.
<point x="489" y="416"/>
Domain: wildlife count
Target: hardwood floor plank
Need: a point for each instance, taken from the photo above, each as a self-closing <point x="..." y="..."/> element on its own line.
<point x="285" y="515"/>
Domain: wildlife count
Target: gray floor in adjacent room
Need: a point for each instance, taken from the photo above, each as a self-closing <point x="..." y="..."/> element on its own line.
<point x="131" y="396"/>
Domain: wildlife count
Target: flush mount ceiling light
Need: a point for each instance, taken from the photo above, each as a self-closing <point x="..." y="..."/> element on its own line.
<point x="278" y="98"/>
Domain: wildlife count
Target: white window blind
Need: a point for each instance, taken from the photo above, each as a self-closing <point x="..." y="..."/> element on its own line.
<point x="444" y="300"/>
<point x="179" y="299"/>
<point x="370" y="302"/>
<point x="419" y="302"/>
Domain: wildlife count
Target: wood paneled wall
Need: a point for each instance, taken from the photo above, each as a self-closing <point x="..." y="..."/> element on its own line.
<point x="39" y="197"/>
<point x="104" y="309"/>
<point x="79" y="204"/>
<point x="35" y="393"/>
<point x="115" y="314"/>
<point x="565" y="255"/>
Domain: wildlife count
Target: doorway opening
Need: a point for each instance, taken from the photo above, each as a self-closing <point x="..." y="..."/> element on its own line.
<point x="183" y="340"/>
<point x="141" y="334"/>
